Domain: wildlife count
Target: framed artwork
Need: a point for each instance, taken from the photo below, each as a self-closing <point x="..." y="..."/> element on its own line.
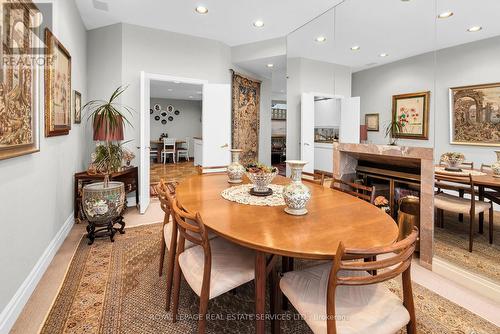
<point x="475" y="115"/>
<point x="411" y="111"/>
<point x="57" y="87"/>
<point x="77" y="107"/>
<point x="372" y="122"/>
<point x="20" y="84"/>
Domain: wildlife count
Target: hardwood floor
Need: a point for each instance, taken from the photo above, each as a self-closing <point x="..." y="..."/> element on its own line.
<point x="171" y="172"/>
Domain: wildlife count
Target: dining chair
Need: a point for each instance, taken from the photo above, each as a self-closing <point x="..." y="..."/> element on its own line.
<point x="358" y="190"/>
<point x="211" y="268"/>
<point x="169" y="148"/>
<point x="456" y="204"/>
<point x="166" y="195"/>
<point x="342" y="297"/>
<point x="213" y="169"/>
<point x="153" y="153"/>
<point x="491" y="195"/>
<point x="485" y="167"/>
<point x="311" y="177"/>
<point x="184" y="150"/>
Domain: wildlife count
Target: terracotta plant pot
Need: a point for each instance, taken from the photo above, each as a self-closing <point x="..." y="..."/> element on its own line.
<point x="105" y="131"/>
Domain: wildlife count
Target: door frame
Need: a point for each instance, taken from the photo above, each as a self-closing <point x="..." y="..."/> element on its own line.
<point x="144" y="174"/>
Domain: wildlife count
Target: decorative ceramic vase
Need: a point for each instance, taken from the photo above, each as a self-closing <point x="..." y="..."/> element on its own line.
<point x="453" y="160"/>
<point x="296" y="194"/>
<point x="261" y="181"/>
<point x="235" y="170"/>
<point x="101" y="203"/>
<point x="496" y="166"/>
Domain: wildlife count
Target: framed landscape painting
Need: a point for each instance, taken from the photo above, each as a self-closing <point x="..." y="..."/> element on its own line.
<point x="475" y="115"/>
<point x="372" y="122"/>
<point x="57" y="87"/>
<point x="411" y="113"/>
<point x="19" y="84"/>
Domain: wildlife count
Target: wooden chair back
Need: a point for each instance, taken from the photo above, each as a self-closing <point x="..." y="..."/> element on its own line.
<point x="212" y="169"/>
<point x="385" y="269"/>
<point x="464" y="165"/>
<point x="358" y="190"/>
<point x="169" y="144"/>
<point x="444" y="182"/>
<point x="311" y="177"/>
<point x="166" y="194"/>
<point x="485" y="167"/>
<point x="190" y="227"/>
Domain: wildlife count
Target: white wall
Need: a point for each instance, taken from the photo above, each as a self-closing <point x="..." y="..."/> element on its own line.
<point x="306" y="75"/>
<point x="36" y="190"/>
<point x="468" y="64"/>
<point x="186" y="124"/>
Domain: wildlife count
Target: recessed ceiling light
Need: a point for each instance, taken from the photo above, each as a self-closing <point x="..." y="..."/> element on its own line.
<point x="355" y="48"/>
<point x="190" y="96"/>
<point x="270" y="65"/>
<point x="201" y="10"/>
<point x="170" y="89"/>
<point x="177" y="82"/>
<point x="383" y="55"/>
<point x="198" y="92"/>
<point x="320" y="39"/>
<point x="445" y="15"/>
<point x="258" y="24"/>
<point x="475" y="29"/>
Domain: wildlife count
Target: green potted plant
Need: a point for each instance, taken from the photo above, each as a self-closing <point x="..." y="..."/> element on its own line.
<point x="391" y="129"/>
<point x="102" y="202"/>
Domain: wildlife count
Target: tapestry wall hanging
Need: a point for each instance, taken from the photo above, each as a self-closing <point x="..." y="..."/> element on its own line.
<point x="245" y="117"/>
<point x="19" y="80"/>
<point x="475" y="115"/>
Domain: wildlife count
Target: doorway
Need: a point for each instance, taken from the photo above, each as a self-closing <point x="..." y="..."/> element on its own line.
<point x="215" y="112"/>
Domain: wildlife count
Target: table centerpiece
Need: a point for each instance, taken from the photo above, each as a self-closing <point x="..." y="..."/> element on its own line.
<point x="261" y="176"/>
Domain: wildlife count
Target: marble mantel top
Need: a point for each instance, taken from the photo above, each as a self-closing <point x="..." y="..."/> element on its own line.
<point x="421" y="153"/>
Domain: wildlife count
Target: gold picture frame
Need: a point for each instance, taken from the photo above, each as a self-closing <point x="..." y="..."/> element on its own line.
<point x="411" y="111"/>
<point x="77" y="107"/>
<point x="20" y="83"/>
<point x="57" y="87"/>
<point x="372" y="122"/>
<point x="475" y="115"/>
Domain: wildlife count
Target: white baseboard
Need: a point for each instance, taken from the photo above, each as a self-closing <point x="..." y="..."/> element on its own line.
<point x="474" y="282"/>
<point x="15" y="306"/>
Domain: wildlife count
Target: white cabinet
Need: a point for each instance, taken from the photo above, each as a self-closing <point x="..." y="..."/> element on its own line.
<point x="323" y="157"/>
<point x="198" y="151"/>
<point x="327" y="113"/>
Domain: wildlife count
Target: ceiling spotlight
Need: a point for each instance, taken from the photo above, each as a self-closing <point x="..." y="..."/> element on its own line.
<point x="201" y="10"/>
<point x="445" y="15"/>
<point x="190" y="96"/>
<point x="383" y="55"/>
<point x="198" y="92"/>
<point x="177" y="82"/>
<point x="355" y="48"/>
<point x="258" y="24"/>
<point x="320" y="39"/>
<point x="475" y="29"/>
<point x="270" y="65"/>
<point x="170" y="89"/>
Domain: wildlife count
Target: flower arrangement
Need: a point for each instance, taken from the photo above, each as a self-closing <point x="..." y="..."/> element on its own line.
<point x="453" y="159"/>
<point x="261" y="176"/>
<point x="259" y="168"/>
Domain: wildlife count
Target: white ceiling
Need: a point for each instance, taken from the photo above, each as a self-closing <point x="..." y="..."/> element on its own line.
<point x="178" y="91"/>
<point x="229" y="21"/>
<point x="400" y="28"/>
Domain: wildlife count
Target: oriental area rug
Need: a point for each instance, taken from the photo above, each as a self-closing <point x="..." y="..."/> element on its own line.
<point x="115" y="288"/>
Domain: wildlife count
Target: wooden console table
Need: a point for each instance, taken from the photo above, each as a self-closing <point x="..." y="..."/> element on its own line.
<point x="129" y="176"/>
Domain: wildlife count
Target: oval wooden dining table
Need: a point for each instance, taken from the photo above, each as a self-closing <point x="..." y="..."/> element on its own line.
<point x="333" y="216"/>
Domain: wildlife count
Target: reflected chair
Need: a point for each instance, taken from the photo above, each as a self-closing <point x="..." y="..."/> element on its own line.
<point x="408" y="217"/>
<point x="472" y="206"/>
<point x="341" y="297"/>
<point x="211" y="267"/>
<point x="358" y="190"/>
<point x="169" y="148"/>
<point x="184" y="150"/>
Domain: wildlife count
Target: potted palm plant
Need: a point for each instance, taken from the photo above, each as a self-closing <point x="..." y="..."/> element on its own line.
<point x="391" y="129"/>
<point x="103" y="202"/>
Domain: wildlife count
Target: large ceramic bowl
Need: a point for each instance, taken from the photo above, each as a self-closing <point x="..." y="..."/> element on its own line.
<point x="261" y="181"/>
<point x="453" y="159"/>
<point x="101" y="203"/>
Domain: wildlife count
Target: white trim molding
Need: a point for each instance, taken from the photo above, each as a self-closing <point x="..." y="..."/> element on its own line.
<point x="10" y="313"/>
<point x="474" y="282"/>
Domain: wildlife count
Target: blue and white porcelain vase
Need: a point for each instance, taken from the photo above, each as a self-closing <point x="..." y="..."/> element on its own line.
<point x="235" y="170"/>
<point x="296" y="194"/>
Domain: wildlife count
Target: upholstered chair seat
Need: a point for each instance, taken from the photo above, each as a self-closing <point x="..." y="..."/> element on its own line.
<point x="232" y="266"/>
<point x="457" y="204"/>
<point x="371" y="309"/>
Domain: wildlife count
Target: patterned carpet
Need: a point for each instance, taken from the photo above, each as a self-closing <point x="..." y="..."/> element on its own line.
<point x="115" y="288"/>
<point x="452" y="242"/>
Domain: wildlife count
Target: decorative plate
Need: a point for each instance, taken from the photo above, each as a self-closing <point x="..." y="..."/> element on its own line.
<point x="157" y="118"/>
<point x="157" y="107"/>
<point x="164" y="114"/>
<point x="170" y="108"/>
<point x="151" y="111"/>
<point x="170" y="118"/>
<point x="163" y="121"/>
<point x="177" y="112"/>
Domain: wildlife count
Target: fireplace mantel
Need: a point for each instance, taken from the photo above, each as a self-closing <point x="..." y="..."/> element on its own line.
<point x="345" y="161"/>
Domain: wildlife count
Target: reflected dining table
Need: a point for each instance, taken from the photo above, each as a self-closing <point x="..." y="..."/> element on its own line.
<point x="333" y="216"/>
